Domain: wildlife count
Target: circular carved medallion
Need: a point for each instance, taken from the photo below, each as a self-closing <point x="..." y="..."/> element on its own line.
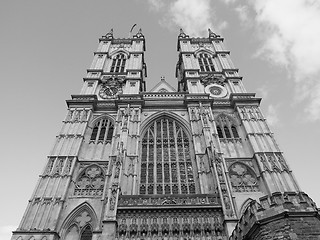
<point x="216" y="91"/>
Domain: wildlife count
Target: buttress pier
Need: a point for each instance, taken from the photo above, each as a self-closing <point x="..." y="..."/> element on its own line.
<point x="199" y="162"/>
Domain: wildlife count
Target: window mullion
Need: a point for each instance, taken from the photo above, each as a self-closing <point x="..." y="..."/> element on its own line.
<point x="99" y="130"/>
<point x="185" y="161"/>
<point x="106" y="132"/>
<point x="147" y="161"/>
<point x="154" y="157"/>
<point x="177" y="155"/>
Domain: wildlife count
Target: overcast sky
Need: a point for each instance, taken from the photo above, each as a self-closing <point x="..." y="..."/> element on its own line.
<point x="46" y="47"/>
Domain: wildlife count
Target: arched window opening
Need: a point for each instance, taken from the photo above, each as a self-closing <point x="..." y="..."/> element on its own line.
<point x="90" y="182"/>
<point x="72" y="233"/>
<point x="205" y="63"/>
<point x="102" y="131"/>
<point x="118" y="63"/>
<point x="226" y="127"/>
<point x="227" y="132"/>
<point x="242" y="178"/>
<point x="234" y="132"/>
<point x="166" y="165"/>
<point x="220" y="134"/>
<point x="94" y="132"/>
<point x="86" y="234"/>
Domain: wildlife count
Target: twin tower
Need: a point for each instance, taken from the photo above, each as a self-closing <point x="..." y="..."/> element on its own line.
<point x="196" y="163"/>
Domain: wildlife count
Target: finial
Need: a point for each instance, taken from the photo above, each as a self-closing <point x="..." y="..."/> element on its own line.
<point x="182" y="34"/>
<point x="109" y="34"/>
<point x="139" y="34"/>
<point x="212" y="34"/>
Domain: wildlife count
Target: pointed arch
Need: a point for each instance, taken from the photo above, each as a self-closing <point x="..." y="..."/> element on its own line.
<point x="243" y="178"/>
<point x="119" y="51"/>
<point x="102" y="129"/>
<point x="75" y="223"/>
<point x="167" y="163"/>
<point x="245" y="205"/>
<point x="118" y="61"/>
<point x="160" y="114"/>
<point x="90" y="181"/>
<point x="227" y="127"/>
<point x="206" y="60"/>
<point x="32" y="238"/>
<point x="203" y="50"/>
<point x="86" y="233"/>
<point x="44" y="238"/>
<point x="19" y="238"/>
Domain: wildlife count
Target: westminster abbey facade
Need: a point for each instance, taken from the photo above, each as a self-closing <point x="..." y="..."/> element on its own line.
<point x="199" y="162"/>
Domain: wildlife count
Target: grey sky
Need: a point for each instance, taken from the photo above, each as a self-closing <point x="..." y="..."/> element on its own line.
<point x="46" y="47"/>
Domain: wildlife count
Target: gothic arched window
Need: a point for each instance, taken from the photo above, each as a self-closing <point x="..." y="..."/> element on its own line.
<point x="118" y="63"/>
<point x="166" y="165"/>
<point x="206" y="62"/>
<point x="226" y="127"/>
<point x="87" y="233"/>
<point x="90" y="182"/>
<point x="102" y="131"/>
<point x="242" y="178"/>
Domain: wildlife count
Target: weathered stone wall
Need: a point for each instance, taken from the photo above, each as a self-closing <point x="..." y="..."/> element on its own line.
<point x="279" y="216"/>
<point x="289" y="227"/>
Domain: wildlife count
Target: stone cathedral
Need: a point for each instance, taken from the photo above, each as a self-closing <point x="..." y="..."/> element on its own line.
<point x="199" y="162"/>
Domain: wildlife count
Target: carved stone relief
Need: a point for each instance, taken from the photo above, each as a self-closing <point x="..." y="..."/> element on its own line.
<point x="170" y="224"/>
<point x="90" y="182"/>
<point x="243" y="178"/>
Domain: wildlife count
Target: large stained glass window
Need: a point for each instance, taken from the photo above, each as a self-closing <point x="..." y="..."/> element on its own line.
<point x="166" y="164"/>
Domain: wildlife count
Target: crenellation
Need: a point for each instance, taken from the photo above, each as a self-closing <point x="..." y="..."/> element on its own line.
<point x="197" y="163"/>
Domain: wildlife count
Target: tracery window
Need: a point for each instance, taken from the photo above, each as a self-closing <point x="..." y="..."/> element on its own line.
<point x="243" y="178"/>
<point x="80" y="226"/>
<point x="102" y="131"/>
<point x="86" y="234"/>
<point x="118" y="63"/>
<point x="226" y="127"/>
<point x="90" y="182"/>
<point x="166" y="165"/>
<point x="206" y="62"/>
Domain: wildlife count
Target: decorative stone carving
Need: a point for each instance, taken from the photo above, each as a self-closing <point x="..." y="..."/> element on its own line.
<point x="194" y="199"/>
<point x="113" y="197"/>
<point x="212" y="79"/>
<point x="49" y="166"/>
<point x="131" y="166"/>
<point x="58" y="167"/>
<point x="170" y="224"/>
<point x="250" y="113"/>
<point x="90" y="182"/>
<point x="111" y="87"/>
<point x="242" y="178"/>
<point x="222" y="182"/>
<point x="282" y="162"/>
<point x="68" y="166"/>
<point x="83" y="219"/>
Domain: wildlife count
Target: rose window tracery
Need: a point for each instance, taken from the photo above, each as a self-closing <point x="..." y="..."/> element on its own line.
<point x="242" y="178"/>
<point x="90" y="182"/>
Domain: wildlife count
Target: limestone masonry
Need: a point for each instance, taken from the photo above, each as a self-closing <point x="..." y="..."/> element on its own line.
<point x="199" y="162"/>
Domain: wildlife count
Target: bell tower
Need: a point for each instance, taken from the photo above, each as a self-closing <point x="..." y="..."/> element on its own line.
<point x="196" y="163"/>
<point x="77" y="193"/>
